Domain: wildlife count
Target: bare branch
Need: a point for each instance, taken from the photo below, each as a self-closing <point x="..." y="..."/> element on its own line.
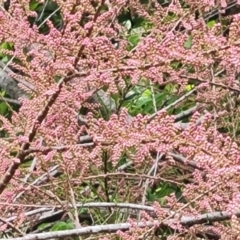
<point x="110" y="228"/>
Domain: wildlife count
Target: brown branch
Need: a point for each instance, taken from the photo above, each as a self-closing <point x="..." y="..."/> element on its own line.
<point x="212" y="83"/>
<point x="110" y="228"/>
<point x="21" y="155"/>
<point x="12" y="226"/>
<point x="41" y="116"/>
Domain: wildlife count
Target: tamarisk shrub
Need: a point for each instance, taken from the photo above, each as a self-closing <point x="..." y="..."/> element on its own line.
<point x="68" y="63"/>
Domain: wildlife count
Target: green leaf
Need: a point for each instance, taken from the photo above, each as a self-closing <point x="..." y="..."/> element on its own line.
<point x="3" y="108"/>
<point x="5" y="45"/>
<point x="51" y="6"/>
<point x="150" y="197"/>
<point x="57" y="78"/>
<point x="5" y="59"/>
<point x="70" y="225"/>
<point x="147" y="93"/>
<point x="170" y="17"/>
<point x="33" y="5"/>
<point x="62" y="226"/>
<point x="189" y="87"/>
<point x="170" y="88"/>
<point x="3" y="93"/>
<point x="42" y="226"/>
<point x="188" y="43"/>
<point x="211" y="23"/>
<point x="130" y="96"/>
<point x="139" y="22"/>
<point x="160" y="98"/>
<point x="134" y="39"/>
<point x="138" y="30"/>
<point x="176" y="65"/>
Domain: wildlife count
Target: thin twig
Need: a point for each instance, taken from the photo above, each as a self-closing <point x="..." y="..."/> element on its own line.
<point x="212" y="83"/>
<point x="131" y="176"/>
<point x="12" y="226"/>
<point x="10" y="100"/>
<point x="152" y="172"/>
<point x="172" y="104"/>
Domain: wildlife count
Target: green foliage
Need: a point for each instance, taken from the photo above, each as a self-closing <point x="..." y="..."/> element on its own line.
<point x="47" y="10"/>
<point x="34" y="5"/>
<point x="140" y="98"/>
<point x="211" y="23"/>
<point x="133" y="40"/>
<point x="5" y="109"/>
<point x="61" y="225"/>
<point x="5" y="46"/>
<point x="43" y="226"/>
<point x="162" y="189"/>
<point x="188" y="43"/>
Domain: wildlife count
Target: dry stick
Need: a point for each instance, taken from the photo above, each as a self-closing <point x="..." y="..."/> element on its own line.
<point x="41" y="209"/>
<point x="6" y="102"/>
<point x="6" y="66"/>
<point x="212" y="83"/>
<point x="215" y="12"/>
<point x="10" y="100"/>
<point x="12" y="226"/>
<point x="49" y="208"/>
<point x="152" y="171"/>
<point x="181" y="159"/>
<point x="85" y="230"/>
<point x="45" y="208"/>
<point x="177" y="157"/>
<point x="56" y="148"/>
<point x="110" y="228"/>
<point x="185" y="220"/>
<point x="187" y="112"/>
<point x="73" y="201"/>
<point x="153" y="97"/>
